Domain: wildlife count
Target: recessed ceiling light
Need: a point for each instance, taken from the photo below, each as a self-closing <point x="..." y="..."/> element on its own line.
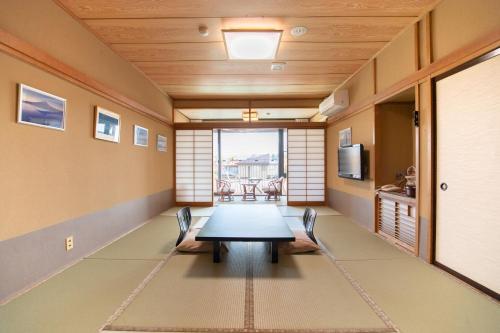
<point x="252" y="44"/>
<point x="298" y="31"/>
<point x="203" y="30"/>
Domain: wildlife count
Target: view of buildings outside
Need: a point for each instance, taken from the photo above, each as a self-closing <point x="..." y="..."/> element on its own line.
<point x="248" y="157"/>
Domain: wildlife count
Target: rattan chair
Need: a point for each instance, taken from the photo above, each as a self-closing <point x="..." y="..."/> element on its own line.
<point x="274" y="189"/>
<point x="224" y="190"/>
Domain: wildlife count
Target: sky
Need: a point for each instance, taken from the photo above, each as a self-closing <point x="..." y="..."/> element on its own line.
<point x="245" y="144"/>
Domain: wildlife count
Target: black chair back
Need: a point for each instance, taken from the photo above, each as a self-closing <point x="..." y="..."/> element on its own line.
<point x="309" y="220"/>
<point x="184" y="220"/>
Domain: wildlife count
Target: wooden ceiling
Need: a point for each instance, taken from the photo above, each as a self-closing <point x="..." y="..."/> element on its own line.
<point x="161" y="39"/>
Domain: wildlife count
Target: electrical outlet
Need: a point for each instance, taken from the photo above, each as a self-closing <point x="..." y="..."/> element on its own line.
<point x="69" y="243"/>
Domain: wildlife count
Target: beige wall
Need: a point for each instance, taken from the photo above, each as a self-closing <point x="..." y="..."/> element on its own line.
<point x="49" y="176"/>
<point x="455" y="23"/>
<point x="397" y="60"/>
<point x="362" y="126"/>
<point x="361" y="85"/>
<point x="394" y="141"/>
<point x="47" y="26"/>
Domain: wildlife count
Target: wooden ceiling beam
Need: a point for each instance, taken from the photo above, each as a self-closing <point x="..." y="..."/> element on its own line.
<point x="178" y="30"/>
<point x="254" y="91"/>
<point x="247" y="67"/>
<point x="244" y="8"/>
<point x="216" y="51"/>
<point x="211" y="80"/>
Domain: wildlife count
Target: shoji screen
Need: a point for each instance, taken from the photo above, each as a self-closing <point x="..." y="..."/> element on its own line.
<point x="467" y="233"/>
<point x="193" y="166"/>
<point x="306" y="166"/>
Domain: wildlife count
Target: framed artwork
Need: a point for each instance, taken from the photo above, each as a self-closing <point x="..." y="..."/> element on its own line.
<point x="107" y="125"/>
<point x="161" y="143"/>
<point x="345" y="137"/>
<point x="38" y="108"/>
<point x="141" y="136"/>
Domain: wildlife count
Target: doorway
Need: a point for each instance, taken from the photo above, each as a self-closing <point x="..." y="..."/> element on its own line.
<point x="467" y="177"/>
<point x="250" y="165"/>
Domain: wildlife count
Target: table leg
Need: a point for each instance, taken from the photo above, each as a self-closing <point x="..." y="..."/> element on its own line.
<point x="274" y="252"/>
<point x="216" y="251"/>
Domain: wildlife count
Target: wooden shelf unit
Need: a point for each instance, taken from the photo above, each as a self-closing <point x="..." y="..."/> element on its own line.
<point x="396" y="219"/>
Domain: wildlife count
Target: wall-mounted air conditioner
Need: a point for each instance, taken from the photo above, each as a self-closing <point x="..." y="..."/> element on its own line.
<point x="336" y="102"/>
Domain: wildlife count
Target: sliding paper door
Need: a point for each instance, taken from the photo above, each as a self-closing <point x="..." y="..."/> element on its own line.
<point x="468" y="173"/>
<point x="193" y="167"/>
<point x="306" y="166"/>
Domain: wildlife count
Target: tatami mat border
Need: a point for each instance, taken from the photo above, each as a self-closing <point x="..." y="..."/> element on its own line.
<point x="249" y="296"/>
<point x="249" y="326"/>
<point x="378" y="311"/>
<point x="137" y="290"/>
<point x="240" y="330"/>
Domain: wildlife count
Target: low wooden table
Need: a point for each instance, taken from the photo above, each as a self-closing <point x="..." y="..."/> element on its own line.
<point x="246" y="223"/>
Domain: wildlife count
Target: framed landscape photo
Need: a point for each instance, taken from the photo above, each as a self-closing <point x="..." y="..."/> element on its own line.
<point x="345" y="137"/>
<point x="161" y="143"/>
<point x="38" y="108"/>
<point x="141" y="136"/>
<point x="107" y="125"/>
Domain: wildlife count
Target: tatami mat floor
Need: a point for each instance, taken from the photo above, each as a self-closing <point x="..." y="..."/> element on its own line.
<point x="414" y="296"/>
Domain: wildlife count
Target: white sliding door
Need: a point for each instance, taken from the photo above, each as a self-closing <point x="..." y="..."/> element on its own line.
<point x="468" y="173"/>
<point x="193" y="166"/>
<point x="306" y="166"/>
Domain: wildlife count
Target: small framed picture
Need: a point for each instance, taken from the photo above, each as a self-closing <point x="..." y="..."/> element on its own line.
<point x="107" y="125"/>
<point x="141" y="136"/>
<point x="38" y="108"/>
<point x="161" y="143"/>
<point x="345" y="137"/>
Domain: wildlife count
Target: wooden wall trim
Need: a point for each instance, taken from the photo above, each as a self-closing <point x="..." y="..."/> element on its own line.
<point x="418" y="170"/>
<point x="427" y="39"/>
<point x="416" y="41"/>
<point x="24" y="51"/>
<point x="267" y="124"/>
<point x="456" y="58"/>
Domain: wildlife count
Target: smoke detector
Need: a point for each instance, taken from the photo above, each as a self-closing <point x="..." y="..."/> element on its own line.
<point x="278" y="66"/>
<point x="203" y="30"/>
<point x="298" y="31"/>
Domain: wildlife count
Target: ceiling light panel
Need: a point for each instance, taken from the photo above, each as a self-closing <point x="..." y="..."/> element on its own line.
<point x="252" y="44"/>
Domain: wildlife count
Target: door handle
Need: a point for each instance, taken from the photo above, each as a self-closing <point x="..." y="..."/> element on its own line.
<point x="443" y="186"/>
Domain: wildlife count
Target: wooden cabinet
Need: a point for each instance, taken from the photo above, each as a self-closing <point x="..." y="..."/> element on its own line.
<point x="396" y="219"/>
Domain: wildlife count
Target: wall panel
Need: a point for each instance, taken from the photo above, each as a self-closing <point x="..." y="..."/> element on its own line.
<point x="397" y="60"/>
<point x="456" y="23"/>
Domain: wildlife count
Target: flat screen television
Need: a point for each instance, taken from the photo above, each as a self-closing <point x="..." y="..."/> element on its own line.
<point x="351" y="163"/>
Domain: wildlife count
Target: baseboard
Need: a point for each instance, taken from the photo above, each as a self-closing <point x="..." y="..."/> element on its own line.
<point x="423" y="247"/>
<point x="29" y="259"/>
<point x="359" y="209"/>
